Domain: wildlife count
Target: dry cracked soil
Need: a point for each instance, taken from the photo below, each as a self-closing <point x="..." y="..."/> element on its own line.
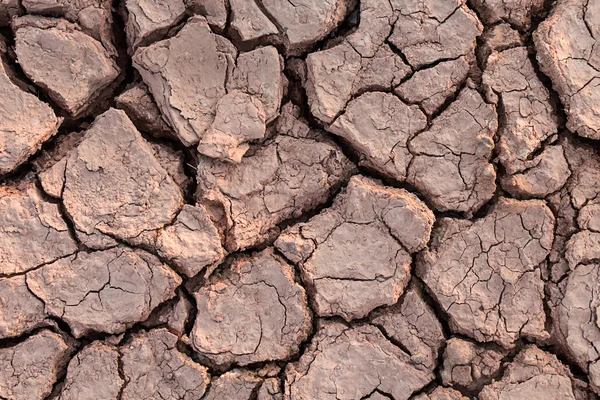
<point x="299" y="199"/>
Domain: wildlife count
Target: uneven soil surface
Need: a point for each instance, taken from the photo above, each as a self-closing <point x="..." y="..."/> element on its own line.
<point x="299" y="199"/>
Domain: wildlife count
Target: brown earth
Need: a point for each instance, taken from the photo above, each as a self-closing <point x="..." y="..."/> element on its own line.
<point x="299" y="199"/>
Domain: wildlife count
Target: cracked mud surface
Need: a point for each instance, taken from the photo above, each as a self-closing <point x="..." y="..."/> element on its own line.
<point x="300" y="199"/>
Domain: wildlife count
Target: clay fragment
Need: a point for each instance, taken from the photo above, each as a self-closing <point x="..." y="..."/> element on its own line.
<point x="379" y="126"/>
<point x="451" y="165"/>
<point x="240" y="119"/>
<point x="434" y="30"/>
<point x="234" y="385"/>
<point x="186" y="75"/>
<point x="106" y="291"/>
<point x="248" y="22"/>
<point x="93" y="374"/>
<point x="515" y="12"/>
<point x="441" y="393"/>
<point x="173" y="314"/>
<point x="251" y="311"/>
<point x="57" y="56"/>
<point x="533" y="373"/>
<point x="355" y="256"/>
<point x="215" y="11"/>
<point x="32" y="230"/>
<point x="485" y="273"/>
<point x="155" y="369"/>
<point x="511" y="82"/>
<point x="149" y="20"/>
<point x="25" y="124"/>
<point x="567" y="51"/>
<point x="338" y="353"/>
<point x="20" y="310"/>
<point x="305" y="22"/>
<point x="496" y="39"/>
<point x="192" y="243"/>
<point x="138" y="104"/>
<point x="282" y="179"/>
<point x="469" y="365"/>
<point x="413" y="324"/>
<point x="431" y="87"/>
<point x="126" y="190"/>
<point x="28" y="370"/>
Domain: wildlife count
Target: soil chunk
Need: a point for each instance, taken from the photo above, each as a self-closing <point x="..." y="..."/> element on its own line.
<point x="20" y="310"/>
<point x="29" y="369"/>
<point x="126" y="190"/>
<point x="469" y="365"/>
<point x="451" y="165"/>
<point x="533" y="373"/>
<point x="338" y="353"/>
<point x="567" y="51"/>
<point x="32" y="230"/>
<point x="355" y="256"/>
<point x="249" y="22"/>
<point x="379" y="126"/>
<point x="57" y="57"/>
<point x="149" y="20"/>
<point x="93" y="374"/>
<point x="515" y="12"/>
<point x="251" y="311"/>
<point x="25" y="124"/>
<point x="106" y="291"/>
<point x="155" y="369"/>
<point x="284" y="178"/>
<point x="485" y="273"/>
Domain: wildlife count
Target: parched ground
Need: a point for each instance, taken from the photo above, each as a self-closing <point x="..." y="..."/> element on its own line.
<point x="299" y="199"/>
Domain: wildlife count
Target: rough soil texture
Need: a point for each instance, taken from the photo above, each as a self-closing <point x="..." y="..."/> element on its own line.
<point x="299" y="199"/>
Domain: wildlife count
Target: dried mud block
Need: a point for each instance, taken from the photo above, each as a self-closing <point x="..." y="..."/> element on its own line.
<point x="187" y="75"/>
<point x="215" y="11"/>
<point x="149" y="20"/>
<point x="251" y="311"/>
<point x="434" y="30"/>
<point x="240" y="119"/>
<point x="192" y="243"/>
<point x="516" y="12"/>
<point x="568" y="51"/>
<point x="432" y="87"/>
<point x="339" y="353"/>
<point x="305" y="22"/>
<point x="451" y="165"/>
<point x="441" y="393"/>
<point x="58" y="57"/>
<point x="32" y="230"/>
<point x="138" y="104"/>
<point x="248" y="22"/>
<point x="93" y="374"/>
<point x="259" y="73"/>
<point x="575" y="317"/>
<point x="356" y="255"/>
<point x="413" y="324"/>
<point x="378" y="126"/>
<point x="532" y="374"/>
<point x="8" y="10"/>
<point x="155" y="369"/>
<point x="20" y="310"/>
<point x="545" y="174"/>
<point x="497" y="38"/>
<point x="282" y="179"/>
<point x="173" y="314"/>
<point x="25" y="124"/>
<point x="28" y="370"/>
<point x="470" y="365"/>
<point x="94" y="16"/>
<point x="173" y="161"/>
<point x="106" y="291"/>
<point x="528" y="118"/>
<point x="234" y="385"/>
<point x="485" y="274"/>
<point x="126" y="190"/>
